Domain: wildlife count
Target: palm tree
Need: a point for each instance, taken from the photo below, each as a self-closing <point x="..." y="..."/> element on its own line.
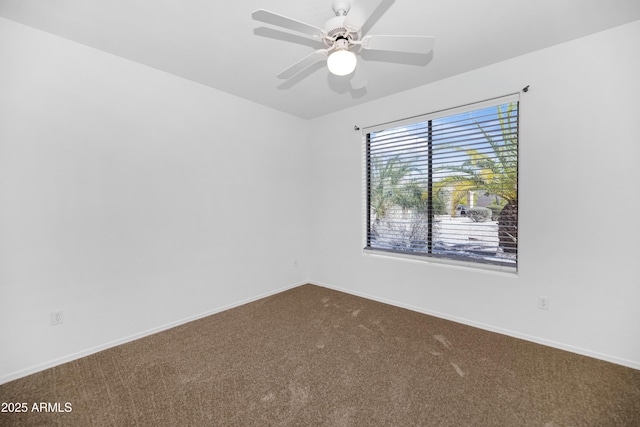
<point x="386" y="179"/>
<point x="495" y="173"/>
<point x="400" y="203"/>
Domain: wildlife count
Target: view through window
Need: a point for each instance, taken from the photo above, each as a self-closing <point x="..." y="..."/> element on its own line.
<point x="446" y="186"/>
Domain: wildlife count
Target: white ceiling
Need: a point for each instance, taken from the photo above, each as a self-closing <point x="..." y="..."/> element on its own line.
<point x="217" y="43"/>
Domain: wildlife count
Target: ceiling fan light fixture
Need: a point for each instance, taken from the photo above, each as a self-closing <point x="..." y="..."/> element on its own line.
<point x="342" y="62"/>
<point x="342" y="33"/>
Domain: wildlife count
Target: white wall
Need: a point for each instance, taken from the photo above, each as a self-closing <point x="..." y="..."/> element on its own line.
<point x="579" y="236"/>
<point x="132" y="199"/>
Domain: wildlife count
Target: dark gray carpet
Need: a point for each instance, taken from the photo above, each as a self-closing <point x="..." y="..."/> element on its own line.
<point x="313" y="356"/>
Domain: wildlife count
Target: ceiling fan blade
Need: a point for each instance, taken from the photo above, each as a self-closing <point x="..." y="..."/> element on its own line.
<point x="359" y="79"/>
<point x="304" y="63"/>
<point x="284" y="22"/>
<point x="406" y="44"/>
<point x="360" y="13"/>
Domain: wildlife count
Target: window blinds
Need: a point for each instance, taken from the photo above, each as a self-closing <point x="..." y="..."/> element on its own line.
<point x="445" y="184"/>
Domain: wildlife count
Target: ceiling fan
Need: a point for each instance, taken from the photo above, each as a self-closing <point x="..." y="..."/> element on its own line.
<point x="342" y="37"/>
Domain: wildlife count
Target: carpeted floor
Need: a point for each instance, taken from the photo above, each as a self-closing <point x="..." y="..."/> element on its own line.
<point x="314" y="356"/>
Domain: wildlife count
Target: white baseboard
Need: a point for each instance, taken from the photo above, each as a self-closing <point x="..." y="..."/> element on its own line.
<point x="80" y="354"/>
<point x="549" y="343"/>
<point x="96" y="349"/>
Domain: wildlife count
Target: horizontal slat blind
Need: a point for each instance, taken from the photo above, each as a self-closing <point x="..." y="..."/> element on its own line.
<point x="446" y="186"/>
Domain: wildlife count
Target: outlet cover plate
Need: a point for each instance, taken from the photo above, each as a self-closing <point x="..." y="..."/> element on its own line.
<point x="543" y="303"/>
<point x="57" y="317"/>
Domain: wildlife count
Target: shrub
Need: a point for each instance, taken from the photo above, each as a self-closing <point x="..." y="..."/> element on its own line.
<point x="495" y="211"/>
<point x="479" y="214"/>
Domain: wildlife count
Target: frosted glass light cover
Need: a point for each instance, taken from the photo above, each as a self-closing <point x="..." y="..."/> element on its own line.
<point x="342" y="62"/>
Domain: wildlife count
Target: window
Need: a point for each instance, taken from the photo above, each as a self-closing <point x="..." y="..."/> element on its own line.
<point x="445" y="185"/>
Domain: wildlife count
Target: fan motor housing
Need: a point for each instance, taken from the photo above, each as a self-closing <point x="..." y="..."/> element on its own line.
<point x="334" y="28"/>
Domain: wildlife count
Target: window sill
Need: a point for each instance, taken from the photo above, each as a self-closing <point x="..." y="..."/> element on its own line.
<point x="502" y="270"/>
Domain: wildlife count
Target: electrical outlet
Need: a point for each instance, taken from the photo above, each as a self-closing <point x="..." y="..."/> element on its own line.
<point x="543" y="303"/>
<point x="57" y="317"/>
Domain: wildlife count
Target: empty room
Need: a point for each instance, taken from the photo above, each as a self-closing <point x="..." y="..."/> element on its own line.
<point x="336" y="213"/>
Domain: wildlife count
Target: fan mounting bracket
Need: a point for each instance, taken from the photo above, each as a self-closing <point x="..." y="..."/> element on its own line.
<point x="341" y="7"/>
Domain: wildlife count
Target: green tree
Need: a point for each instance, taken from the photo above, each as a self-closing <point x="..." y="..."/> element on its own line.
<point x="400" y="202"/>
<point x="392" y="187"/>
<point x="495" y="173"/>
<point x="387" y="179"/>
